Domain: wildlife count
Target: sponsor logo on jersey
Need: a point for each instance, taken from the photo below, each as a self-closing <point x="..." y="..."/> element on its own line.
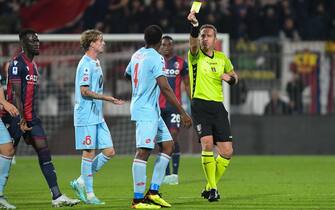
<point x="171" y="72"/>
<point x="32" y="79"/>
<point x="139" y="56"/>
<point x="147" y="141"/>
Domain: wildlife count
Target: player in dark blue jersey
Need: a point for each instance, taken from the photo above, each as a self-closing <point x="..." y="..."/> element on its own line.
<point x="176" y="71"/>
<point x="22" y="90"/>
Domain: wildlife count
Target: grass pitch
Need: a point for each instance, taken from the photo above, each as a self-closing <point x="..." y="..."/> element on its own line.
<point x="251" y="182"/>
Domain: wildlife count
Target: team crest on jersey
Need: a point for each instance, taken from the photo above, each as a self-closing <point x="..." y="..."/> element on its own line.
<point x="176" y="65"/>
<point x="14" y="70"/>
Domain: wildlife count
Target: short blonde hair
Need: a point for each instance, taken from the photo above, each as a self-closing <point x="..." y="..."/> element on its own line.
<point x="89" y="36"/>
<point x="209" y="26"/>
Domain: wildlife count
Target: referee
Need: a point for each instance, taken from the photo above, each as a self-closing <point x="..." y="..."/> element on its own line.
<point x="207" y="69"/>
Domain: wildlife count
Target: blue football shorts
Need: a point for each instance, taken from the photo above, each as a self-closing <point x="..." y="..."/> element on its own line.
<point x="150" y="132"/>
<point x="93" y="137"/>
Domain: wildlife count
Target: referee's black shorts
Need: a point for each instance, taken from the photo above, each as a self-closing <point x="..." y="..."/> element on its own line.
<point x="210" y="118"/>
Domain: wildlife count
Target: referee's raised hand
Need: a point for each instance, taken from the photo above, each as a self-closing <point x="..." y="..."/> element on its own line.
<point x="186" y="120"/>
<point x="193" y="20"/>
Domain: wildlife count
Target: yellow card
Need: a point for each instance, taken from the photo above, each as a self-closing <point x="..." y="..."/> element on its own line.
<point x="196" y="5"/>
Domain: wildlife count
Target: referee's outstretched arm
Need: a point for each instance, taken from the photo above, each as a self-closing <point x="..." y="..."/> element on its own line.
<point x="194" y="41"/>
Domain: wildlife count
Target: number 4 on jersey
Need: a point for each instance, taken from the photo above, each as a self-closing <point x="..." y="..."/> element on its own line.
<point x="136" y="75"/>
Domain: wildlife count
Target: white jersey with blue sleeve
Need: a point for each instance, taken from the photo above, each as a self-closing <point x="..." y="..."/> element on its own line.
<point x="145" y="66"/>
<point x="88" y="111"/>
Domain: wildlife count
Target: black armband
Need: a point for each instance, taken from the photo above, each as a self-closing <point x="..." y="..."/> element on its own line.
<point x="195" y="31"/>
<point x="232" y="81"/>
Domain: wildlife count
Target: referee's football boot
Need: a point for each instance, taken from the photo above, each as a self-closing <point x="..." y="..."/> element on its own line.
<point x="205" y="194"/>
<point x="213" y="195"/>
<point x="156" y="198"/>
<point x="143" y="204"/>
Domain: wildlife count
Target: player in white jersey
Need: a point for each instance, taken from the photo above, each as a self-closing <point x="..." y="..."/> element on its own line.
<point x="91" y="130"/>
<point x="147" y="76"/>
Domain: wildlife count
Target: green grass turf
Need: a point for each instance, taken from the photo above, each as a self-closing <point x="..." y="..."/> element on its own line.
<point x="251" y="182"/>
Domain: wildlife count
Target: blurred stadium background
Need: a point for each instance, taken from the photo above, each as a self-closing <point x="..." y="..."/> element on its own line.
<point x="282" y="50"/>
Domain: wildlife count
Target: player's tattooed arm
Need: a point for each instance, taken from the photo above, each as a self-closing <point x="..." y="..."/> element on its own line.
<point x="10" y="108"/>
<point x="86" y="92"/>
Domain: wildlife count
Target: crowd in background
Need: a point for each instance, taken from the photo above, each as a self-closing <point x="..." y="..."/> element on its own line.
<point x="248" y="19"/>
<point x="257" y="20"/>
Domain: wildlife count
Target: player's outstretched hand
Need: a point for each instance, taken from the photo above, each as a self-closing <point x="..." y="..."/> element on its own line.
<point x="23" y="126"/>
<point x="191" y="17"/>
<point x="115" y="100"/>
<point x="186" y="120"/>
<point x="11" y="109"/>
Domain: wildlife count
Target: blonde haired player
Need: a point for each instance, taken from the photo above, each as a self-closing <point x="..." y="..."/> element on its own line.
<point x="91" y="130"/>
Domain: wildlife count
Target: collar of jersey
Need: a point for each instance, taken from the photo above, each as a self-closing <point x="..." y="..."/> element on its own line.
<point x="25" y="58"/>
<point x="211" y="57"/>
<point x="90" y="59"/>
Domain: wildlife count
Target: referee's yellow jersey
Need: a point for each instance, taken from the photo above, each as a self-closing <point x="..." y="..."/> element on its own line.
<point x="205" y="75"/>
